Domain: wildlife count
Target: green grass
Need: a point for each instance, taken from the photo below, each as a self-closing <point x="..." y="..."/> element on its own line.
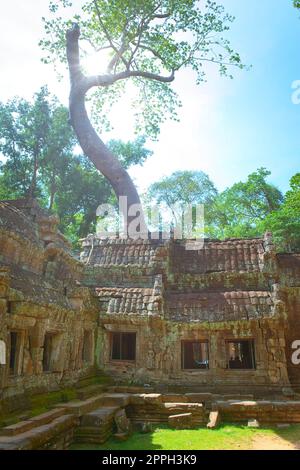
<point x="227" y="437"/>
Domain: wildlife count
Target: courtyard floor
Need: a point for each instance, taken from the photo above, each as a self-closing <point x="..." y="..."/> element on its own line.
<point x="226" y="437"/>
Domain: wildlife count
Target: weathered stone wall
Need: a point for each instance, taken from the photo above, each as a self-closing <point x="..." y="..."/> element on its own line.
<point x="158" y="355"/>
<point x="228" y="290"/>
<point x="289" y="266"/>
<point x="158" y="289"/>
<point x="40" y="293"/>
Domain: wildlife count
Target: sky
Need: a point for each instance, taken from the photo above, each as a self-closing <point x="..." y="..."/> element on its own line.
<point x="228" y="128"/>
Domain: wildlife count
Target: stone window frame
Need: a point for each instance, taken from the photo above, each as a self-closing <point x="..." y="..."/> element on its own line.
<point x="200" y="340"/>
<point x="238" y="340"/>
<point x="90" y="333"/>
<point x="18" y="366"/>
<point x="55" y="349"/>
<point x="122" y="361"/>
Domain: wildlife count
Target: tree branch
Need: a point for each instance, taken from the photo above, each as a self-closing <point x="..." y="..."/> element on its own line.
<point x="114" y="61"/>
<point x="140" y="29"/>
<point x="162" y="16"/>
<point x="107" y="33"/>
<point x="153" y="51"/>
<point x="106" y="80"/>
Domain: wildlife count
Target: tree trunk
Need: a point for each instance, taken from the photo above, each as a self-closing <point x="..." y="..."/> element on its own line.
<point x="89" y="140"/>
<point x="33" y="184"/>
<point x="52" y="193"/>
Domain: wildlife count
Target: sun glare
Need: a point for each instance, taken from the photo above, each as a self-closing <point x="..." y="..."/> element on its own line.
<point x="96" y="63"/>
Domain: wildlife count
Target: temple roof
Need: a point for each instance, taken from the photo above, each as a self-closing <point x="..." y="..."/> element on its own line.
<point x="141" y="301"/>
<point x="219" y="306"/>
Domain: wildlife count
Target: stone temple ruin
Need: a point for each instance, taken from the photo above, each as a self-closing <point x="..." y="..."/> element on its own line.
<point x="180" y="336"/>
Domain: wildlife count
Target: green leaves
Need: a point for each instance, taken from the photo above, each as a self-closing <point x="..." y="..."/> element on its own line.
<point x="240" y="211"/>
<point x="183" y="187"/>
<point x="130" y="153"/>
<point x="285" y="222"/>
<point x="38" y="145"/>
<point x="246" y="209"/>
<point x="156" y="36"/>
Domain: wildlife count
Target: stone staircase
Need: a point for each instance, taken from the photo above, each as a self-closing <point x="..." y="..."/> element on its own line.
<point x="57" y="428"/>
<point x="97" y="426"/>
<point x="91" y="419"/>
<point x="90" y="391"/>
<point x="51" y="430"/>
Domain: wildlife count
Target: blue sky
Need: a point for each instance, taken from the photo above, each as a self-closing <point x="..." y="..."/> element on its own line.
<point x="228" y="128"/>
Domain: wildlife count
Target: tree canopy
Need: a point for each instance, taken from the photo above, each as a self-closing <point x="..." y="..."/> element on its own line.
<point x="246" y="209"/>
<point x="240" y="210"/>
<point x="183" y="187"/>
<point x="144" y="44"/>
<point x="285" y="222"/>
<point x="146" y="41"/>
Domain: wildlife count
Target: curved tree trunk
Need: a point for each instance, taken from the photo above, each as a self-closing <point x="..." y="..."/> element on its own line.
<point x="90" y="142"/>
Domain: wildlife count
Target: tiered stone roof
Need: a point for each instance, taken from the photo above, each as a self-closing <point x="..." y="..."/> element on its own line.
<point x="231" y="255"/>
<point x="131" y="301"/>
<point x="219" y="306"/>
<point x="224" y="281"/>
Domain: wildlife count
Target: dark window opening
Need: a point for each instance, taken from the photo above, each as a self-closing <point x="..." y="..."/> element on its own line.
<point x="14" y="352"/>
<point x="87" y="346"/>
<point x="9" y="306"/>
<point x="48" y="348"/>
<point x="240" y="354"/>
<point x="123" y="346"/>
<point x="194" y="355"/>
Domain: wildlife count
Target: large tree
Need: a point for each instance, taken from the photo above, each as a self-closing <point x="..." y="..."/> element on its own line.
<point x="35" y="141"/>
<point x="146" y="43"/>
<point x="183" y="190"/>
<point x="241" y="210"/>
<point x="285" y="222"/>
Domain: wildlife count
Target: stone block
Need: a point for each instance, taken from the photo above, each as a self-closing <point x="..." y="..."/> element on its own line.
<point x="198" y="397"/>
<point x="214" y="420"/>
<point x="181" y="421"/>
<point x="175" y="398"/>
<point x="253" y="423"/>
<point x="153" y="398"/>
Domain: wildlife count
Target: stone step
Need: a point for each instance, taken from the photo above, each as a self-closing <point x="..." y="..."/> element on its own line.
<point x="174" y="397"/>
<point x="81" y="407"/>
<point x="129" y="389"/>
<point x="31" y="423"/>
<point x="40" y="437"/>
<point x="90" y="391"/>
<point x="97" y="417"/>
<point x="184" y="406"/>
<point x="233" y="396"/>
<point x="265" y="411"/>
<point x="97" y="426"/>
<point x="15" y="429"/>
<point x="115" y="399"/>
<point x="156" y="411"/>
<point x="199" y="397"/>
